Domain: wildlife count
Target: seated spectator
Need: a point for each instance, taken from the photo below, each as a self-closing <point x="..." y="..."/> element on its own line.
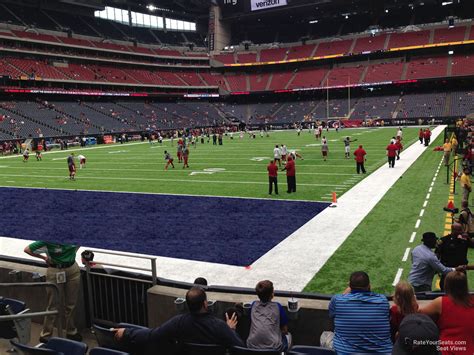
<point x="425" y="264"/>
<point x="418" y="334"/>
<point x="200" y="281"/>
<point x="269" y="323"/>
<point x="197" y="326"/>
<point x="361" y="318"/>
<point x="454" y="314"/>
<point x="405" y="304"/>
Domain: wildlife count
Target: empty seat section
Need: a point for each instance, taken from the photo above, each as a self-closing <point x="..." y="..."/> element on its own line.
<point x="307" y="78"/>
<point x="280" y="80"/>
<point x="345" y="76"/>
<point x="375" y="107"/>
<point x="462" y="65"/>
<point x="444" y="35"/>
<point x="369" y="44"/>
<point x="258" y="82"/>
<point x="398" y="40"/>
<point x="384" y="72"/>
<point x="237" y="82"/>
<point x="273" y="55"/>
<point x="246" y="57"/>
<point x="225" y="58"/>
<point x="422" y="105"/>
<point x="421" y="68"/>
<point x="334" y="47"/>
<point x="300" y="51"/>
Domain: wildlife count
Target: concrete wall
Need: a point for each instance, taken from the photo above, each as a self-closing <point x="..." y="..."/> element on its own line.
<point x="312" y="318"/>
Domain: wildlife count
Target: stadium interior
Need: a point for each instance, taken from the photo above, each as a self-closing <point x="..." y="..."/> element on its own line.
<point x="111" y="70"/>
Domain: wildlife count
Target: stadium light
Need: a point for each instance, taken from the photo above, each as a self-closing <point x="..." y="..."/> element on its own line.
<point x="445" y="3"/>
<point x="313" y="21"/>
<point x="386" y="11"/>
<point x="151" y="8"/>
<point x="451" y="52"/>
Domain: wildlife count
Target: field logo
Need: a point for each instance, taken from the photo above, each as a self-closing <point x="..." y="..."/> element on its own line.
<point x="259" y="159"/>
<point x="208" y="171"/>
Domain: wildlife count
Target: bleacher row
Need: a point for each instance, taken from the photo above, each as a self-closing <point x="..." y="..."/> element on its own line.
<point x="91" y="26"/>
<point x="97" y="44"/>
<point x="357" y="45"/>
<point x="355" y="73"/>
<point x="67" y="118"/>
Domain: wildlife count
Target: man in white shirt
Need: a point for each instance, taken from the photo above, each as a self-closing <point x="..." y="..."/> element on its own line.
<point x="284" y="152"/>
<point x="82" y="161"/>
<point x="277" y="155"/>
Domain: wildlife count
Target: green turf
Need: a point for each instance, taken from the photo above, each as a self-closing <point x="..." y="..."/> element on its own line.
<point x="377" y="245"/>
<point x="140" y="167"/>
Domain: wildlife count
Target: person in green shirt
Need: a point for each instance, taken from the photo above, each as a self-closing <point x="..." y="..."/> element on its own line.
<point x="64" y="272"/>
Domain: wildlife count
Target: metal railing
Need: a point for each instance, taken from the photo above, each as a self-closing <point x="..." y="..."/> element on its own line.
<point x="57" y="313"/>
<point x="114" y="298"/>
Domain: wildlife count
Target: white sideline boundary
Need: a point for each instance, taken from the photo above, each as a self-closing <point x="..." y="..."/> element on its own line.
<point x="293" y="262"/>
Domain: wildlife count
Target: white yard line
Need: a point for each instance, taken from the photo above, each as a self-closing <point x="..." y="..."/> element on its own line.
<point x="397" y="277"/>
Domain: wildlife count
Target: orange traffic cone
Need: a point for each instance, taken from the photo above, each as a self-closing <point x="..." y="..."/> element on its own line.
<point x="334" y="200"/>
<point x="450" y="205"/>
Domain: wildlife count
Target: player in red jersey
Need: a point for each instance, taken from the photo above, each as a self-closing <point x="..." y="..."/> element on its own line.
<point x="391" y="154"/>
<point x="399" y="145"/>
<point x="360" y="154"/>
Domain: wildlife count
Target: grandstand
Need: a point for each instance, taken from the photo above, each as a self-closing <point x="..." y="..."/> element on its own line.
<point x="139" y="88"/>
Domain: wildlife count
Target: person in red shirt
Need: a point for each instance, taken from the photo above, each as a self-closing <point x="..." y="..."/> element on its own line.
<point x="272" y="177"/>
<point x="427" y="137"/>
<point x="399" y="145"/>
<point x="421" y="135"/>
<point x="391" y="154"/>
<point x="290" y="174"/>
<point x="360" y="154"/>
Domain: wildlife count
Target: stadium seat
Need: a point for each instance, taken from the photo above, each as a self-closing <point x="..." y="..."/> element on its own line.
<point x="31" y="350"/>
<point x="105" y="337"/>
<point x="105" y="351"/>
<point x="237" y="350"/>
<point x="19" y="328"/>
<point x="310" y="350"/>
<point x="201" y="349"/>
<point x="66" y="346"/>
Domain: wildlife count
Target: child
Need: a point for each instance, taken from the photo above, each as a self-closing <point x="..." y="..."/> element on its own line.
<point x="405" y="304"/>
<point x="169" y="160"/>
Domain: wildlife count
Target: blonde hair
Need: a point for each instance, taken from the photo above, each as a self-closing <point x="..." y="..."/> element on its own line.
<point x="404" y="298"/>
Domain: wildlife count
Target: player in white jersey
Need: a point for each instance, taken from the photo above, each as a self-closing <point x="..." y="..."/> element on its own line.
<point x="277" y="155"/>
<point x="294" y="154"/>
<point x="82" y="161"/>
<point x="284" y="152"/>
<point x="400" y="133"/>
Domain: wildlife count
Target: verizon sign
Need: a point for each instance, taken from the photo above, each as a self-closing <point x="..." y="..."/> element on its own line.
<point x="266" y="4"/>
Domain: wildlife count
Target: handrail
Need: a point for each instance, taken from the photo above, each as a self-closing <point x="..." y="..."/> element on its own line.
<point x="58" y="313"/>
<point x="152" y="259"/>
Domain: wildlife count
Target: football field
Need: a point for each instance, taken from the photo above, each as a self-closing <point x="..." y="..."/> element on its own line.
<point x="237" y="168"/>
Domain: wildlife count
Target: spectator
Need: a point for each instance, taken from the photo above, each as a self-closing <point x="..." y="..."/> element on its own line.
<point x="466" y="184"/>
<point x="360" y="159"/>
<point x="447" y="152"/>
<point x="64" y="272"/>
<point x="454" y="314"/>
<point x="269" y="323"/>
<point x="290" y="175"/>
<point x="200" y="281"/>
<point x="466" y="220"/>
<point x="352" y="311"/>
<point x="425" y="264"/>
<point x="418" y="335"/>
<point x="197" y="326"/>
<point x="405" y="304"/>
<point x="452" y="249"/>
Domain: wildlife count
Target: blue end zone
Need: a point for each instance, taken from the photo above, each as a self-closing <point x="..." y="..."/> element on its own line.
<point x="230" y="231"/>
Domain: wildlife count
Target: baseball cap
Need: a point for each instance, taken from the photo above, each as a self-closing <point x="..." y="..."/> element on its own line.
<point x="417" y="334"/>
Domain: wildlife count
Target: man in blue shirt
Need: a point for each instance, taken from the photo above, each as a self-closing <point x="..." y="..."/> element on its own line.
<point x="361" y="319"/>
<point x="425" y="264"/>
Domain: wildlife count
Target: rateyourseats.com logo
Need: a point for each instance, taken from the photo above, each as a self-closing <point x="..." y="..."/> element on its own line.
<point x="457" y="346"/>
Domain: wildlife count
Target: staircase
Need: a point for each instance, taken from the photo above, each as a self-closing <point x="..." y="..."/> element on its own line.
<point x="449" y="103"/>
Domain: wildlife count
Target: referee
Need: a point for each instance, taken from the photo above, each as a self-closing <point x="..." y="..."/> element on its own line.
<point x="64" y="272"/>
